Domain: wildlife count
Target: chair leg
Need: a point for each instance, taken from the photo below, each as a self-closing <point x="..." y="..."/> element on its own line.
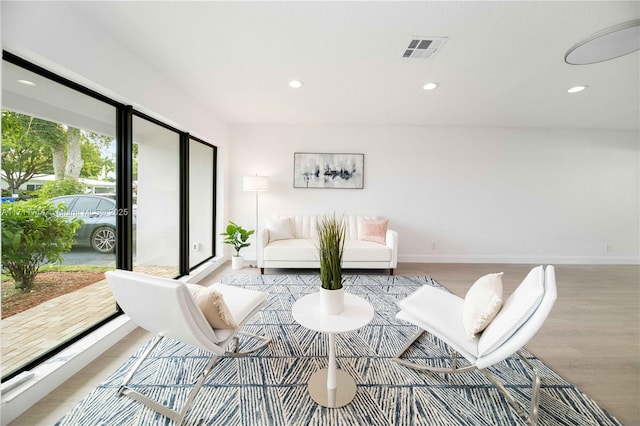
<point x="454" y="364"/>
<point x="176" y="416"/>
<point x="236" y="344"/>
<point x="150" y="347"/>
<point x="531" y="417"/>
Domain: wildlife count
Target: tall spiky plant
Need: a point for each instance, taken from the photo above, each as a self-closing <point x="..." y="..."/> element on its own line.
<point x="331" y="238"/>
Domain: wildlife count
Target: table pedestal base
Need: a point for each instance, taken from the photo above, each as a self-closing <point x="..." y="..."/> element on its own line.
<point x="343" y="394"/>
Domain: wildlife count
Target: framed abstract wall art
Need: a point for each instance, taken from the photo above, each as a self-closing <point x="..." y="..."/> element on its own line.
<point x="324" y="170"/>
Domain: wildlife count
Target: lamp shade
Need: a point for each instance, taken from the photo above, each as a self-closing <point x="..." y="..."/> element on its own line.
<point x="255" y="183"/>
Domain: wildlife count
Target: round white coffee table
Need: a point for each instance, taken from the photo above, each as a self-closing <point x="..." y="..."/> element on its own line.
<point x="331" y="387"/>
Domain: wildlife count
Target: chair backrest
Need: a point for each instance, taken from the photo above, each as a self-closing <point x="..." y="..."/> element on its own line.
<point x="530" y="325"/>
<point x="162" y="306"/>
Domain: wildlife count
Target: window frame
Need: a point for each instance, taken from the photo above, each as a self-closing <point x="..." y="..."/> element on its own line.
<point x="124" y="199"/>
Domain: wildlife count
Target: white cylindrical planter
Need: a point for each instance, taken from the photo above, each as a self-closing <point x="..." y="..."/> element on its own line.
<point x="237" y="262"/>
<point x="331" y="301"/>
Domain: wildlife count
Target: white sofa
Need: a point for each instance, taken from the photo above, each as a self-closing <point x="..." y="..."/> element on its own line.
<point x="298" y="248"/>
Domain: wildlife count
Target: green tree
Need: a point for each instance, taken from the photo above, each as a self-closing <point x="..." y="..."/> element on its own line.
<point x="27" y="147"/>
<point x="93" y="161"/>
<point x="34" y="233"/>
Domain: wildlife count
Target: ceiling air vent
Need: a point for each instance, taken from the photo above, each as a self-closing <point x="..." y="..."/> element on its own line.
<point x="423" y="47"/>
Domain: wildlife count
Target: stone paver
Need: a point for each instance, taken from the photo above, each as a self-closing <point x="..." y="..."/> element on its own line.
<point x="33" y="332"/>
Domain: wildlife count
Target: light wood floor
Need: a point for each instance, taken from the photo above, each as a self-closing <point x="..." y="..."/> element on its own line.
<point x="592" y="337"/>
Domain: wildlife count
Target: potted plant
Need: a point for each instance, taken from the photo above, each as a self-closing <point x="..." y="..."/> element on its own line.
<point x="237" y="236"/>
<point x="331" y="239"/>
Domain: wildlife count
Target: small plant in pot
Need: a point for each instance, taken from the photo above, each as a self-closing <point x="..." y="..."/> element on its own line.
<point x="331" y="239"/>
<point x="237" y="236"/>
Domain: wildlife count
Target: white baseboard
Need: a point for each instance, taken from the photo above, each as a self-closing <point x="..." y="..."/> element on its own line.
<point x="534" y="260"/>
<point x="205" y="269"/>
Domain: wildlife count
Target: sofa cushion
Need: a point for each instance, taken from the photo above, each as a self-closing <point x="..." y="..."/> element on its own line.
<point x="374" y="230"/>
<point x="365" y="251"/>
<point x="482" y="303"/>
<point x="279" y="229"/>
<point x="296" y="250"/>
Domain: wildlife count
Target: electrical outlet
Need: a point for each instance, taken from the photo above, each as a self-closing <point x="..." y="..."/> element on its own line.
<point x="608" y="248"/>
<point x="433" y="246"/>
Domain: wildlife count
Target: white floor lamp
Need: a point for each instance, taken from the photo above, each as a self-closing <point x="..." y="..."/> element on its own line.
<point x="255" y="184"/>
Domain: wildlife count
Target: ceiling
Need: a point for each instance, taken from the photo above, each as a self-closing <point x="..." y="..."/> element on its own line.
<point x="502" y="65"/>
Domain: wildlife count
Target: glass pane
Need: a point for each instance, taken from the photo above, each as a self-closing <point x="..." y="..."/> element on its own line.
<point x="156" y="191"/>
<point x="58" y="148"/>
<point x="200" y="202"/>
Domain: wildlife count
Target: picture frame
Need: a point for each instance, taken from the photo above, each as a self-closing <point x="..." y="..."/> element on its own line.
<point x="328" y="170"/>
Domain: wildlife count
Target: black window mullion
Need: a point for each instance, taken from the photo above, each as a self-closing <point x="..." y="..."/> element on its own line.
<point x="124" y="189"/>
<point x="184" y="204"/>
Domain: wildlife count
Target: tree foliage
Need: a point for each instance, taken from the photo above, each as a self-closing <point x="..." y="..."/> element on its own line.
<point x="27" y="147"/>
<point x="34" y="233"/>
<point x="32" y="146"/>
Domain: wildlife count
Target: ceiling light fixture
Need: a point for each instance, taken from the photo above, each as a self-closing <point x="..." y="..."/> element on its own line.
<point x="577" y="89"/>
<point x="27" y="82"/>
<point x="609" y="43"/>
<point x="296" y="84"/>
<point x="430" y="86"/>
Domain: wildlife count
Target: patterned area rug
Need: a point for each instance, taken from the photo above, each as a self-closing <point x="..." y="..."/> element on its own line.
<point x="270" y="387"/>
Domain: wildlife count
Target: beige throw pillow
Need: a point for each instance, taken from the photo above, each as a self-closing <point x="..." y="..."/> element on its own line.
<point x="374" y="230"/>
<point x="212" y="305"/>
<point x="481" y="304"/>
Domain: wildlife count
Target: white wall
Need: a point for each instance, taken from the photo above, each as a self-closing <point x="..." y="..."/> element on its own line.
<point x="463" y="194"/>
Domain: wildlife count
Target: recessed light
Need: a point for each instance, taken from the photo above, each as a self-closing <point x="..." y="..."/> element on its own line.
<point x="577" y="89"/>
<point x="26" y="82"/>
<point x="430" y="86"/>
<point x="296" y="84"/>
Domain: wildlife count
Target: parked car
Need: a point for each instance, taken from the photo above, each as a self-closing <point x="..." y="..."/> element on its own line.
<point x="99" y="216"/>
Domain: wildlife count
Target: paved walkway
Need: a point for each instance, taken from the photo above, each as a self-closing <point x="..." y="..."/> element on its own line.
<point x="33" y="332"/>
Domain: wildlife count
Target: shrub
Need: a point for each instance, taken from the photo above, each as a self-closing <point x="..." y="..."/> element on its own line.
<point x="34" y="233"/>
<point x="56" y="188"/>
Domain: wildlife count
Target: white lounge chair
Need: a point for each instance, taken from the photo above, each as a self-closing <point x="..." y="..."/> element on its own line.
<point x="440" y="313"/>
<point x="167" y="308"/>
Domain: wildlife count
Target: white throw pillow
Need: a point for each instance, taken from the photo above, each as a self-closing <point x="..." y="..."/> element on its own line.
<point x="279" y="229"/>
<point x="212" y="305"/>
<point x="481" y="304"/>
<point x="516" y="311"/>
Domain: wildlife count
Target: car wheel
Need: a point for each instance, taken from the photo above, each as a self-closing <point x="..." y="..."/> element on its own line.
<point x="103" y="239"/>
